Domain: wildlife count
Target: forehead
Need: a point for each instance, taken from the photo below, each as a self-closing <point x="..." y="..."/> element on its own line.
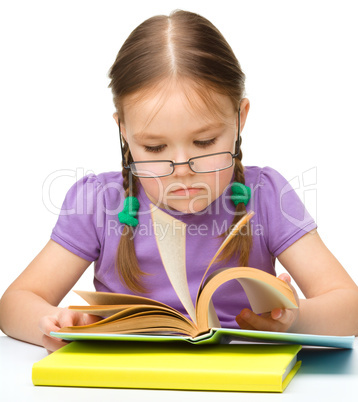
<point x="174" y="103"/>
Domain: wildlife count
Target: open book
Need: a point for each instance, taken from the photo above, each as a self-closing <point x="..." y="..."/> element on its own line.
<point x="134" y="314"/>
<point x="135" y="317"/>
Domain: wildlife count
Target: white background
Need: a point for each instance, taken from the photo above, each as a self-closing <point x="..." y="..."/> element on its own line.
<point x="300" y="59"/>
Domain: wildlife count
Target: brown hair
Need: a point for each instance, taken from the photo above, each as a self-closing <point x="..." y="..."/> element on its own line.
<point x="182" y="45"/>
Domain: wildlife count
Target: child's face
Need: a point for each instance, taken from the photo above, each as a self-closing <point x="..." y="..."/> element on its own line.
<point x="165" y="126"/>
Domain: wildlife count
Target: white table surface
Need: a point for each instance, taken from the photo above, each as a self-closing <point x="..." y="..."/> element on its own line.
<point x="325" y="374"/>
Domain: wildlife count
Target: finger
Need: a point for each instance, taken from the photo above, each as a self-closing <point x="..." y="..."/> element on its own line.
<point x="68" y="318"/>
<point x="259" y="323"/>
<point x="243" y="324"/>
<point x="88" y="319"/>
<point x="276" y="314"/>
<point x="48" y="324"/>
<point x="51" y="344"/>
<point x="283" y="316"/>
<point x="249" y="320"/>
<point x="285" y="277"/>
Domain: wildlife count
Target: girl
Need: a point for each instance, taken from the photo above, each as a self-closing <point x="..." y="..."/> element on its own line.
<point x="180" y="108"/>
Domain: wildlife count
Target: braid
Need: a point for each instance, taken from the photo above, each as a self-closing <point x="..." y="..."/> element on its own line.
<point x="241" y="245"/>
<point x="127" y="264"/>
<point x="130" y="190"/>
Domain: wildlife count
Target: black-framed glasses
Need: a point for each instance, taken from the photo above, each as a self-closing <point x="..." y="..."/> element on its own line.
<point x="199" y="164"/>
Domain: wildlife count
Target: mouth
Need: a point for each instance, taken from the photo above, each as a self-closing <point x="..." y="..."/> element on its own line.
<point x="186" y="191"/>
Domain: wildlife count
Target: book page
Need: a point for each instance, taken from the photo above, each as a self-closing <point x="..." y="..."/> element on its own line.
<point x="263" y="297"/>
<point x="212" y="316"/>
<point x="139" y="318"/>
<point x="229" y="237"/>
<point x="264" y="291"/>
<point x="171" y="247"/>
<point x="107" y="298"/>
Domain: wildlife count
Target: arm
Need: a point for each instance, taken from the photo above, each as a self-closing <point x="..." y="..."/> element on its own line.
<point x="36" y="293"/>
<point x="331" y="304"/>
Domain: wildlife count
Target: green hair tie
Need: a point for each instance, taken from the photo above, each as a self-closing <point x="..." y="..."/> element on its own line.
<point x="240" y="193"/>
<point x="129" y="211"/>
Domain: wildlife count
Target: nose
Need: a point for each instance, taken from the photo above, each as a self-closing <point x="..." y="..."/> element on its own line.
<point x="181" y="164"/>
<point x="181" y="168"/>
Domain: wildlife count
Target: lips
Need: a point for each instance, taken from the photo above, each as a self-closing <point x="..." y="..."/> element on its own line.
<point x="186" y="191"/>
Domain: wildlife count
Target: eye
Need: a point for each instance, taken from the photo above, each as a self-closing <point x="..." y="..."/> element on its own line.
<point x="154" y="149"/>
<point x="206" y="143"/>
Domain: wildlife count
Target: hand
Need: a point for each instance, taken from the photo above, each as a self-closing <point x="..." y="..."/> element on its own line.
<point x="278" y="320"/>
<point x="64" y="318"/>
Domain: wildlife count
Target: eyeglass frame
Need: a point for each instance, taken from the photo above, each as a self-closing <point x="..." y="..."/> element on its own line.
<point x="128" y="166"/>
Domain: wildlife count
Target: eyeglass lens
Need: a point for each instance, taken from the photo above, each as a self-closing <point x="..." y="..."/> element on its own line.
<point x="201" y="164"/>
<point x="211" y="163"/>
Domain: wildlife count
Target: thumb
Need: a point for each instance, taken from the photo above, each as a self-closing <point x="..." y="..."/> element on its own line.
<point x="285" y="277"/>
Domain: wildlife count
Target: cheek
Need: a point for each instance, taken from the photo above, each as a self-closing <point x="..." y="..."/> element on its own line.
<point x="154" y="188"/>
<point x="219" y="181"/>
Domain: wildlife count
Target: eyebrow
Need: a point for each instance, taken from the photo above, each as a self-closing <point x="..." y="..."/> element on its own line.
<point x="147" y="136"/>
<point x="152" y="136"/>
<point x="208" y="128"/>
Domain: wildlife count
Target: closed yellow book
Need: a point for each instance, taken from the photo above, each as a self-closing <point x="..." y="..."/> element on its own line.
<point x="241" y="367"/>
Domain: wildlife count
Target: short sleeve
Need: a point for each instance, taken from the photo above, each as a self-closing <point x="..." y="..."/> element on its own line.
<point x="284" y="216"/>
<point x="76" y="228"/>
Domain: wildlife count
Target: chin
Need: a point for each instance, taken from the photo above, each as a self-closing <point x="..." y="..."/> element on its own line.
<point x="188" y="206"/>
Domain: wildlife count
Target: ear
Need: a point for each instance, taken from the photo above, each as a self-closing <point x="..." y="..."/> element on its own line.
<point x="115" y="116"/>
<point x="244" y="111"/>
<point x="123" y="130"/>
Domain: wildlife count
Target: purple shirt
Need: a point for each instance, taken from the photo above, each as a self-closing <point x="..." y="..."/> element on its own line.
<point x="88" y="226"/>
